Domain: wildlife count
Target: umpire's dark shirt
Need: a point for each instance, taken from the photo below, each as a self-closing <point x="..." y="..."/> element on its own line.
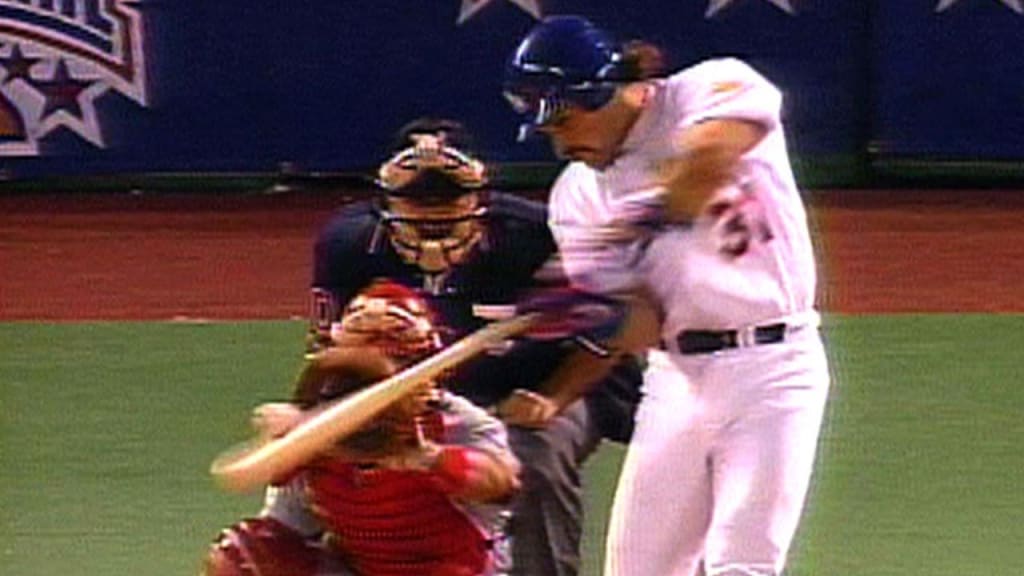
<point x="517" y="243"/>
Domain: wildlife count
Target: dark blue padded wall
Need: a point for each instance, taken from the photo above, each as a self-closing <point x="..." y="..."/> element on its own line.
<point x="949" y="79"/>
<point x="242" y="85"/>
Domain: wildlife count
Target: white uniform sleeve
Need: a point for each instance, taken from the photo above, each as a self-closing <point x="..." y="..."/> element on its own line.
<point x="597" y="255"/>
<point x="726" y="88"/>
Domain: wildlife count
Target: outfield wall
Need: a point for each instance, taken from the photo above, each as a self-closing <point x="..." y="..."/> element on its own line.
<point x="243" y="86"/>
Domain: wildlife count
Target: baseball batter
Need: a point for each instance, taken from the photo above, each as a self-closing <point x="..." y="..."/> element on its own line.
<point x="679" y="190"/>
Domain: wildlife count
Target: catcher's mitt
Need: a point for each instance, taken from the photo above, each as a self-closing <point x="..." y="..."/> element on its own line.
<point x="262" y="547"/>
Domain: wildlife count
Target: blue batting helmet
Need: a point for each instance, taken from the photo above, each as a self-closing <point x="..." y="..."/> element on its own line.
<point x="562" y="61"/>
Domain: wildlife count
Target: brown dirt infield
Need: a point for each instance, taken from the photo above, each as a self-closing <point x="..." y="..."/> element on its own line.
<point x="119" y="257"/>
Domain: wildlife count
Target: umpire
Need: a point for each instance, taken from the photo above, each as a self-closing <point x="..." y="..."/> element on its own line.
<point x="436" y="227"/>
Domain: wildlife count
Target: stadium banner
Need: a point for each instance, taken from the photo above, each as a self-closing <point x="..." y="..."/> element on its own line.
<point x="162" y="86"/>
<point x="949" y="80"/>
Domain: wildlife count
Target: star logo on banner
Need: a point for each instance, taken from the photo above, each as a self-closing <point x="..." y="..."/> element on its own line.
<point x="69" y="100"/>
<point x="61" y="91"/>
<point x="17" y="65"/>
<point x="1015" y="5"/>
<point x="471" y="7"/>
<point x="58" y="58"/>
<point x="716" y="6"/>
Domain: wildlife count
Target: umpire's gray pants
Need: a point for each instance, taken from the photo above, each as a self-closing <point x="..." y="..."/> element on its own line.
<point x="547" y="519"/>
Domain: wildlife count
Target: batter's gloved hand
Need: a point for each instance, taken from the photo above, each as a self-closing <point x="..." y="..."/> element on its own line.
<point x="569" y="313"/>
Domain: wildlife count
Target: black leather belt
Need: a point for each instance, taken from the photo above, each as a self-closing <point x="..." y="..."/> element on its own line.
<point x="708" y="341"/>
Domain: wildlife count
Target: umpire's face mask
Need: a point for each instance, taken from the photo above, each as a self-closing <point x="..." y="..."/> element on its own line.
<point x="435" y="235"/>
<point x="433" y="207"/>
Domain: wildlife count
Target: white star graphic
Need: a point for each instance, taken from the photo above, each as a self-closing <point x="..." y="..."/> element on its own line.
<point x="471" y="7"/>
<point x="716" y="6"/>
<point x="1015" y="5"/>
<point x="32" y="102"/>
<point x="44" y="106"/>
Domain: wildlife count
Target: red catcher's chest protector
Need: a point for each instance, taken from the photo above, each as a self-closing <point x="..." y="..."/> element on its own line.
<point x="396" y="522"/>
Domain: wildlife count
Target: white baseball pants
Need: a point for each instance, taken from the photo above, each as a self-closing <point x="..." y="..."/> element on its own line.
<point x="720" y="462"/>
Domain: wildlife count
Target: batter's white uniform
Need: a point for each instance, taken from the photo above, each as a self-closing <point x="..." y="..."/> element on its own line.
<point x="720" y="461"/>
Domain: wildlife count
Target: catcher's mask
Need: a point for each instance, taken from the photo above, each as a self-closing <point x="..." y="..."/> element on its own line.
<point x="387" y="327"/>
<point x="433" y="197"/>
<point x="392" y="318"/>
<point x="563" y="62"/>
<point x="384" y="329"/>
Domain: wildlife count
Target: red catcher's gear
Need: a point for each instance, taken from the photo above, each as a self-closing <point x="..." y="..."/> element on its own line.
<point x="261" y="547"/>
<point x="389" y="522"/>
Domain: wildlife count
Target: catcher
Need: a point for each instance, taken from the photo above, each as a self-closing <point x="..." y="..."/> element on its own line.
<point x="420" y="490"/>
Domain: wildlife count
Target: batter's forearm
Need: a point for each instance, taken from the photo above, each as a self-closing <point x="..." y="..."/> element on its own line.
<point x="711" y="154"/>
<point x="582" y="370"/>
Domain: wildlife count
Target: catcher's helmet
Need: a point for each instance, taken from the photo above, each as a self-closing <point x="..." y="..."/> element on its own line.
<point x="433" y="195"/>
<point x="563" y="61"/>
<point x="384" y="328"/>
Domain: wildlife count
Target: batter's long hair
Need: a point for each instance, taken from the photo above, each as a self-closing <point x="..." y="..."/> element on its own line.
<point x="642" y="60"/>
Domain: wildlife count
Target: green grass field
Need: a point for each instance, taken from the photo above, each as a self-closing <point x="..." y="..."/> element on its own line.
<point x="107" y="429"/>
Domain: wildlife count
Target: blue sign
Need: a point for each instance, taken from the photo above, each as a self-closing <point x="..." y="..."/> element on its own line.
<point x="120" y="86"/>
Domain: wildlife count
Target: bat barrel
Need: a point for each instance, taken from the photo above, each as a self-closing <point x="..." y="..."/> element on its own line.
<point x="258" y="463"/>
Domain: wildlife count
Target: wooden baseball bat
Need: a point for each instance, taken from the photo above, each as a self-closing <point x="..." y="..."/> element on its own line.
<point x="257" y="463"/>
